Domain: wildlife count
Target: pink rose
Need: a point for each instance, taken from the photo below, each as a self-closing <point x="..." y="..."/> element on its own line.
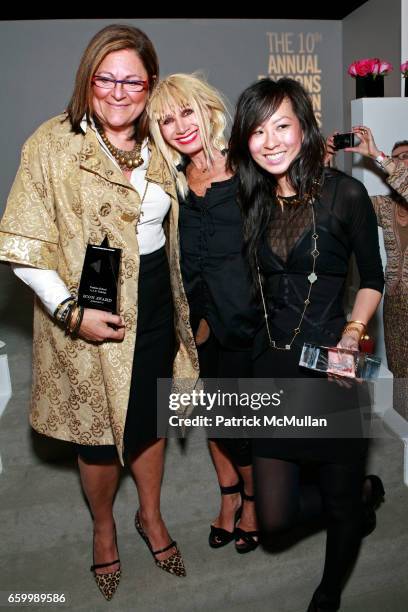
<point x="352" y="70"/>
<point x="363" y="67"/>
<point x="374" y="64"/>
<point x="404" y="68"/>
<point x="385" y="67"/>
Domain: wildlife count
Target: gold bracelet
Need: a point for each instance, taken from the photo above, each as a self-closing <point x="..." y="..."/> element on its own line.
<point x="358" y="323"/>
<point x="72" y="321"/>
<point x="78" y="321"/>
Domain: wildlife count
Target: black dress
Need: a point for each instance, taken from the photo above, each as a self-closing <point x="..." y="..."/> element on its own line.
<point x="215" y="274"/>
<point x="217" y="284"/>
<point x="345" y="224"/>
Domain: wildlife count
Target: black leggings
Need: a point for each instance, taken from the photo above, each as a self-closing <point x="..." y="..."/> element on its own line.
<point x="283" y="501"/>
<point x="217" y="362"/>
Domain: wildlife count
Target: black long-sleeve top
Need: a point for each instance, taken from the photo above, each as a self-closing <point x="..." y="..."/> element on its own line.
<point x="345" y="223"/>
<point x="215" y="274"/>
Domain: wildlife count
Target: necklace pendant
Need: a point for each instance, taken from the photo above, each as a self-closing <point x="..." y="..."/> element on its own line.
<point x="312" y="278"/>
<point x="287" y="347"/>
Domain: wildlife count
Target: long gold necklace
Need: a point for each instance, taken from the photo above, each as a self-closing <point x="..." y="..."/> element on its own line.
<point x="127" y="160"/>
<point x="312" y="278"/>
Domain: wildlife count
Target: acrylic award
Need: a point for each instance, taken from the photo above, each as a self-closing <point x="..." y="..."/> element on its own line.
<point x="98" y="287"/>
<point x="339" y="361"/>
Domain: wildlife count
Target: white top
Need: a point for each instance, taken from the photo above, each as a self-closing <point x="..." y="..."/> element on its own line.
<point x="48" y="285"/>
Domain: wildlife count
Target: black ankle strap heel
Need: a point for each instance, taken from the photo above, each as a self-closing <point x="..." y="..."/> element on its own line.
<point x="220" y="537"/>
<point x="250" y="539"/>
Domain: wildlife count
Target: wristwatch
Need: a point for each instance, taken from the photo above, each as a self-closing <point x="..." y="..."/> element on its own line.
<point x="380" y="159"/>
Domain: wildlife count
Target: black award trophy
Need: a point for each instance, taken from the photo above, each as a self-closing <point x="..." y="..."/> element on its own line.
<point x="99" y="279"/>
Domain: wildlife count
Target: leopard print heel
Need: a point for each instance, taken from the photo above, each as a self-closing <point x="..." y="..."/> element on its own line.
<point x="107" y="583"/>
<point x="174" y="564"/>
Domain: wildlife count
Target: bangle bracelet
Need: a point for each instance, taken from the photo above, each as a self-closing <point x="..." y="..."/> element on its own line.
<point x="78" y="321"/>
<point x="66" y="314"/>
<point x="355" y="322"/>
<point x="62" y="310"/>
<point x="58" y="308"/>
<point x="71" y="321"/>
<point x="68" y="320"/>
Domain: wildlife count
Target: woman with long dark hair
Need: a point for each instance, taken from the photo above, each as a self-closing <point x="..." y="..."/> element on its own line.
<point x="301" y="224"/>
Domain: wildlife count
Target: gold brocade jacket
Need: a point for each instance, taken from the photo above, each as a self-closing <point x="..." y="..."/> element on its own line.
<point x="396" y="270"/>
<point x="67" y="193"/>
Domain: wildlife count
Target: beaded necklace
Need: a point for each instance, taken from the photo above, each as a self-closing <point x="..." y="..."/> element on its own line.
<point x="127" y="160"/>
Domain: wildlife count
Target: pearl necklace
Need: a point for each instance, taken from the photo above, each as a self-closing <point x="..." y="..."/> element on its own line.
<point x="127" y="160"/>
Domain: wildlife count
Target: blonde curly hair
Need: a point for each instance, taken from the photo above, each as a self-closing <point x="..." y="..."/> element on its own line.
<point x="179" y="91"/>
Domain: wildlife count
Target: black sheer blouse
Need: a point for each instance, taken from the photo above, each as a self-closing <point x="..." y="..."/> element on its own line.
<point x="215" y="275"/>
<point x="345" y="223"/>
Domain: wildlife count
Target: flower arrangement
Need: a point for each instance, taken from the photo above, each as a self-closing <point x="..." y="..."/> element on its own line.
<point x="372" y="67"/>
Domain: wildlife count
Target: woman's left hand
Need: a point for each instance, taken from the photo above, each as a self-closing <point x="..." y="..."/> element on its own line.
<point x="348" y="341"/>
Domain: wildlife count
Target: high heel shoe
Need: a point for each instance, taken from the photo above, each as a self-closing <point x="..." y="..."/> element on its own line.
<point x="324" y="605"/>
<point x="173" y="564"/>
<point x="218" y="536"/>
<point x="372" y="503"/>
<point x="109" y="582"/>
<point x="249" y="537"/>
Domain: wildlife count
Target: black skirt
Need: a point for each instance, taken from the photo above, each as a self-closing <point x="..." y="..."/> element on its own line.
<point x="321" y="398"/>
<point x="153" y="358"/>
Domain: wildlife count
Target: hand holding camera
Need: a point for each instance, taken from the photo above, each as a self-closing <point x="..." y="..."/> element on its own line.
<point x="359" y="140"/>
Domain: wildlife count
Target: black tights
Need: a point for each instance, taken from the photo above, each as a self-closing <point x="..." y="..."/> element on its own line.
<point x="283" y="501"/>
